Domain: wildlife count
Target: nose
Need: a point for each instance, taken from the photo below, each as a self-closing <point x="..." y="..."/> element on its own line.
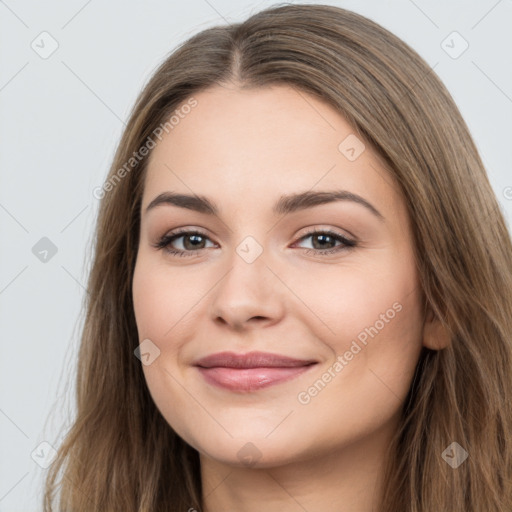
<point x="248" y="296"/>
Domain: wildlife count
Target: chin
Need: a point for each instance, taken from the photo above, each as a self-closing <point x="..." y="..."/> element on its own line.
<point x="254" y="451"/>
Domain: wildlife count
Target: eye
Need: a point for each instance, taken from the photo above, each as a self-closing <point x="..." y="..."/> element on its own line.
<point x="193" y="241"/>
<point x="324" y="242"/>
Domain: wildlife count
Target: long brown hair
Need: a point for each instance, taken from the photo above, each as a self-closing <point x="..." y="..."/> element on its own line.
<point x="121" y="455"/>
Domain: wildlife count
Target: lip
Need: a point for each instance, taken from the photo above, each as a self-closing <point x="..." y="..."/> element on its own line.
<point x="251" y="371"/>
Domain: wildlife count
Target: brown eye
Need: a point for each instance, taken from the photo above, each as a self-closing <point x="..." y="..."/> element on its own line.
<point x="324" y="242"/>
<point x="191" y="241"/>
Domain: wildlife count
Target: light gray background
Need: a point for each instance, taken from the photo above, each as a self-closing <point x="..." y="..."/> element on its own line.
<point x="61" y="118"/>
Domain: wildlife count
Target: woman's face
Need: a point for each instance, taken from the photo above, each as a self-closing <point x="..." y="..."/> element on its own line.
<point x="343" y="304"/>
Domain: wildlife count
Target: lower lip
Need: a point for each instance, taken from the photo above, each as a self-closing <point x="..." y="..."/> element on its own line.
<point x="250" y="379"/>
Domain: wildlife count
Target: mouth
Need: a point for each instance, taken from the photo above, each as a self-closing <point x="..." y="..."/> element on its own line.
<point x="251" y="371"/>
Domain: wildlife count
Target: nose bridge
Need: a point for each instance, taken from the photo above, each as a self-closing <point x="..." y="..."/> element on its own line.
<point x="247" y="267"/>
<point x="247" y="289"/>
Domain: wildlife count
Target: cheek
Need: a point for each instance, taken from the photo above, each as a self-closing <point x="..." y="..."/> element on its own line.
<point x="371" y="317"/>
<point x="164" y="301"/>
<point x="375" y="348"/>
<point x="363" y="301"/>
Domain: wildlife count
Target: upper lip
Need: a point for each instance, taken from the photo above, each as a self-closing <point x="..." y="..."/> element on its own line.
<point x="251" y="360"/>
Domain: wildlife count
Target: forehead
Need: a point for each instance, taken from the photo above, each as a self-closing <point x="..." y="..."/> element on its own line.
<point x="252" y="144"/>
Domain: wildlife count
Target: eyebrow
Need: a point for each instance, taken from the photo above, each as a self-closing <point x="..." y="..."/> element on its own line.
<point x="285" y="204"/>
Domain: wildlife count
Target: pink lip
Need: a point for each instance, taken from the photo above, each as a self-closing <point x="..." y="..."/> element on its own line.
<point x="251" y="371"/>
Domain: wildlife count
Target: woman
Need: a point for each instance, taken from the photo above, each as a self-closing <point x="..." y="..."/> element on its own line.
<point x="301" y="291"/>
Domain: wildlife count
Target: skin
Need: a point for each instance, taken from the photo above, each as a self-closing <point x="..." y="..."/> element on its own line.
<point x="243" y="150"/>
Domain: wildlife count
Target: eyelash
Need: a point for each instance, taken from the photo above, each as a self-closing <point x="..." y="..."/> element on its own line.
<point x="166" y="240"/>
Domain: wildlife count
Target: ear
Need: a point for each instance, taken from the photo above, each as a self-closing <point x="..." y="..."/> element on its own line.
<point x="435" y="335"/>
